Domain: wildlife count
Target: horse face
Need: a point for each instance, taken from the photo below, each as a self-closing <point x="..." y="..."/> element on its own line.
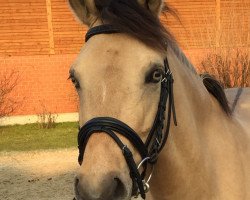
<point x="115" y="76"/>
<point x="119" y="77"/>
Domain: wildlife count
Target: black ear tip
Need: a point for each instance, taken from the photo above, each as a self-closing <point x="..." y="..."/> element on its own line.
<point x="71" y="3"/>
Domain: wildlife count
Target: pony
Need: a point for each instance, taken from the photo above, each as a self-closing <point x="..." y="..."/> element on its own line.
<point x="119" y="74"/>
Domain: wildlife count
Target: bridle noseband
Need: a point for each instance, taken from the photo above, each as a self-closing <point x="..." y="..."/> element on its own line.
<point x="156" y="139"/>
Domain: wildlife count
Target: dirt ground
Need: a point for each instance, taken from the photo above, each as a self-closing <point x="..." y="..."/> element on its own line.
<point x="41" y="175"/>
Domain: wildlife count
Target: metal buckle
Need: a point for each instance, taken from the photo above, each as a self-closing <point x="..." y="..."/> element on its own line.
<point x="167" y="74"/>
<point x="123" y="148"/>
<point x="164" y="80"/>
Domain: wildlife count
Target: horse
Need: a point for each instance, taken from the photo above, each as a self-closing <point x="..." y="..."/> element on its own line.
<point x="149" y="121"/>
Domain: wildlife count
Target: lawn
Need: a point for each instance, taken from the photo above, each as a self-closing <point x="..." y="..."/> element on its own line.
<point x="30" y="137"/>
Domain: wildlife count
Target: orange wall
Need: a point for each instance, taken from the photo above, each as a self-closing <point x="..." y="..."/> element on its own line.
<point x="26" y="44"/>
<point x="43" y="82"/>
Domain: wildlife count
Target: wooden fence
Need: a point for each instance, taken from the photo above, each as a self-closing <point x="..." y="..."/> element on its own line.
<point x="45" y="27"/>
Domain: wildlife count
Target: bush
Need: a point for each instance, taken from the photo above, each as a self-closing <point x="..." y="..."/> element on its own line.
<point x="224" y="33"/>
<point x="46" y="119"/>
<point x="8" y="82"/>
<point x="230" y="67"/>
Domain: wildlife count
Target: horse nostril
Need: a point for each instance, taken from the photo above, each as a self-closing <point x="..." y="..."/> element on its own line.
<point x="120" y="190"/>
<point x="77" y="194"/>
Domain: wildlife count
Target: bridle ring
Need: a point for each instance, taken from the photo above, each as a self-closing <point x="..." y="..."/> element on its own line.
<point x="146" y="182"/>
<point x="142" y="162"/>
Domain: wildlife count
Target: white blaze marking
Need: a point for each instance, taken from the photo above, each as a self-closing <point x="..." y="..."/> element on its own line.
<point x="104" y="91"/>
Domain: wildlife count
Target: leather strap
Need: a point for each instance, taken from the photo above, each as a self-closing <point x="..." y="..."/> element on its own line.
<point x="100" y="124"/>
<point x="102" y="29"/>
<point x="109" y="125"/>
<point x="156" y="139"/>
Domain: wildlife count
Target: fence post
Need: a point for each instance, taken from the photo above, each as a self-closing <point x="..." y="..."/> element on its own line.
<point x="218" y="23"/>
<point x="50" y="28"/>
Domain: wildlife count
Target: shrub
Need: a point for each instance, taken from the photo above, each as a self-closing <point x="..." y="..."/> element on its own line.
<point x="231" y="67"/>
<point x="8" y="104"/>
<point x="46" y="119"/>
<point x="222" y="31"/>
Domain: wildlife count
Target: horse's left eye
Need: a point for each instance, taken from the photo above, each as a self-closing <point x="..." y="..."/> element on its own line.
<point x="75" y="82"/>
<point x="154" y="76"/>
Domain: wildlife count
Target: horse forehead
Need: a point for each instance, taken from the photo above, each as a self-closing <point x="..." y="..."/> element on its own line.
<point x="110" y="64"/>
<point x="115" y="47"/>
<point x="118" y="54"/>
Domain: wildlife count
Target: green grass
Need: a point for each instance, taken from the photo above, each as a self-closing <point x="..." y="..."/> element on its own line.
<point x="31" y="137"/>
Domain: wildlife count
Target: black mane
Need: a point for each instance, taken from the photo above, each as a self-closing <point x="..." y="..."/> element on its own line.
<point x="214" y="87"/>
<point x="131" y="18"/>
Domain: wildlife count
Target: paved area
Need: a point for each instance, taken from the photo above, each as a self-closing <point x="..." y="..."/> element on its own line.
<point x="37" y="175"/>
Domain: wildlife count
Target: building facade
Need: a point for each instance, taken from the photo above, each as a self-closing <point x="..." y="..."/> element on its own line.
<point x="40" y="39"/>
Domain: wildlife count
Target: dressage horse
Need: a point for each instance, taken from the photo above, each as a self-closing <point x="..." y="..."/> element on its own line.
<point x="148" y="121"/>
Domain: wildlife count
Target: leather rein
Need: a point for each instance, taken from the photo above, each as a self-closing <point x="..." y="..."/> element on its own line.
<point x="156" y="139"/>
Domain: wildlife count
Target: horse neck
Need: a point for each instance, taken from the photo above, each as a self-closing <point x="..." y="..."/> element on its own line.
<point x="194" y="104"/>
<point x="184" y="157"/>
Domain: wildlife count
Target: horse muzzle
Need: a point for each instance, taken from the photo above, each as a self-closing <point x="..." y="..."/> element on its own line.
<point x="110" y="188"/>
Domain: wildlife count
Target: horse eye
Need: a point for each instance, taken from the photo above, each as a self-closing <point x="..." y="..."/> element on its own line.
<point x="75" y="82"/>
<point x="154" y="76"/>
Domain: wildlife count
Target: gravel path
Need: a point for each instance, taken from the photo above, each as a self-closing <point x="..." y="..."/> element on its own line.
<point x="41" y="175"/>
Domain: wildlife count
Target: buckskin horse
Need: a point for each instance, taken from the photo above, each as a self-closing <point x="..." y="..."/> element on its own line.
<point x="146" y="116"/>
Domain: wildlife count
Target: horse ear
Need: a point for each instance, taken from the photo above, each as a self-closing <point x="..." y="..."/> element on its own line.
<point x="155" y="6"/>
<point x="84" y="11"/>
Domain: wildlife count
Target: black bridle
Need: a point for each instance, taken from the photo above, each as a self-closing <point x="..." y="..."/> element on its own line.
<point x="156" y="139"/>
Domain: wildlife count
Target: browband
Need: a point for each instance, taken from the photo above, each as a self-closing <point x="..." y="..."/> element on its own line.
<point x="102" y="29"/>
